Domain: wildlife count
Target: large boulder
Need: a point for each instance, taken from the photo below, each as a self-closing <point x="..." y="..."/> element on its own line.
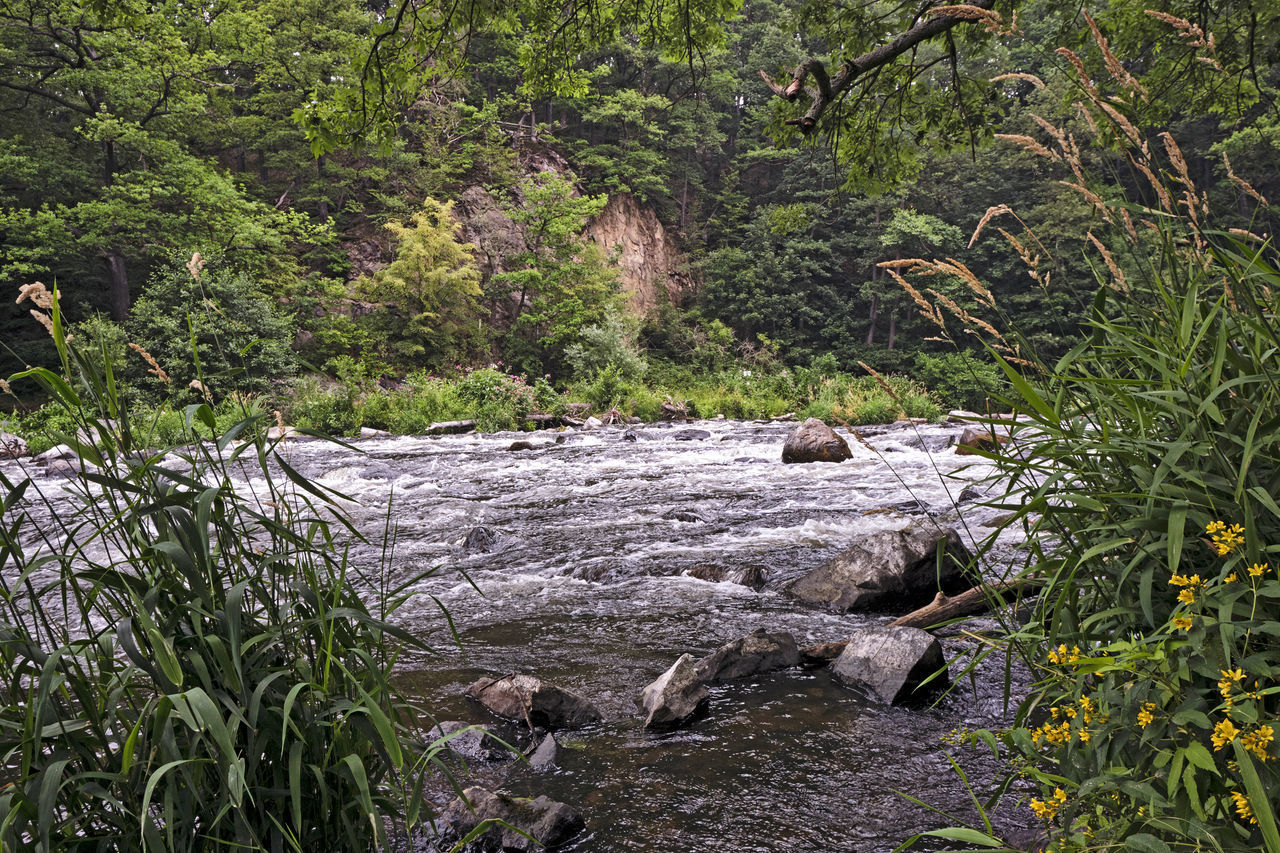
<point x="814" y="441"/>
<point x="758" y="652"/>
<point x="551" y="824"/>
<point x="676" y="697"/>
<point x="531" y="700"/>
<point x="891" y="662"/>
<point x="889" y="569"/>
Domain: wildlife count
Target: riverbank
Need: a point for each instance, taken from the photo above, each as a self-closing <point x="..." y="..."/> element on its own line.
<point x="495" y="401"/>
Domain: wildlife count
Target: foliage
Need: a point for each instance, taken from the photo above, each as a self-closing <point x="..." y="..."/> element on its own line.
<point x="206" y="665"/>
<point x="611" y="344"/>
<point x="241" y="339"/>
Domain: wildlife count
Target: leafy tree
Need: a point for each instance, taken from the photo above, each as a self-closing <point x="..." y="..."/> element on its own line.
<point x="431" y="291"/>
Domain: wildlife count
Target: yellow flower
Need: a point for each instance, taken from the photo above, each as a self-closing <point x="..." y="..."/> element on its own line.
<point x="1145" y="717"/>
<point x="1257" y="741"/>
<point x="1257" y="570"/>
<point x="1187" y="596"/>
<point x="1084" y="735"/>
<point x="1231" y="578"/>
<point x="1242" y="807"/>
<point x="1223" y="733"/>
<point x="1182" y="623"/>
<point x="1236" y="674"/>
<point x="1225" y="539"/>
<point x="1043" y="810"/>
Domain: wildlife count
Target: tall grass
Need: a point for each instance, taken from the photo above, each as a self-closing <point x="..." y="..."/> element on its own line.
<point x="1146" y="468"/>
<point x="188" y="663"/>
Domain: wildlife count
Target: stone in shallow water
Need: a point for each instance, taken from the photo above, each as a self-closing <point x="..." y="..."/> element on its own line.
<point x="757" y="653"/>
<point x="678" y="696"/>
<point x="891" y="662"/>
<point x="551" y="824"/>
<point x="814" y="441"/>
<point x="888" y="569"/>
<point x="475" y="743"/>
<point x="529" y="699"/>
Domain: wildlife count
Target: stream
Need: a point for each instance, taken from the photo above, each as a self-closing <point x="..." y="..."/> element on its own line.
<point x="583" y="583"/>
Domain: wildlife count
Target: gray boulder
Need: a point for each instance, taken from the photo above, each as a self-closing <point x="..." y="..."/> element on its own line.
<point x="891" y="662"/>
<point x="551" y="824"/>
<point x="758" y="652"/>
<point x="531" y="700"/>
<point x="544" y="757"/>
<point x="676" y="697"/>
<point x="814" y="441"/>
<point x="889" y="569"/>
<point x="974" y="439"/>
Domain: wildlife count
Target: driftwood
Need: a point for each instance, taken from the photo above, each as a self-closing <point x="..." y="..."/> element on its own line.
<point x="946" y="607"/>
<point x="450" y="427"/>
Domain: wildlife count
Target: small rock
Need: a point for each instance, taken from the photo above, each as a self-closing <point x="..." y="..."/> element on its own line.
<point x="711" y="574"/>
<point x="12" y="446"/>
<point x="1001" y="519"/>
<point x="814" y="441"/>
<point x="634" y="420"/>
<point x="684" y="515"/>
<point x="544" y="757"/>
<point x="678" y="696"/>
<point x="888" y="569"/>
<point x="551" y="824"/>
<point x="592" y="423"/>
<point x="891" y="662"/>
<point x="475" y="743"/>
<point x="528" y="699"/>
<point x="756" y="653"/>
<point x="629" y="435"/>
<point x="57" y="453"/>
<point x="750" y="576"/>
<point x="480" y="540"/>
<point x="973" y="439"/>
<point x="690" y="435"/>
<point x="969" y="494"/>
<point x="521" y="445"/>
<point x="812" y="657"/>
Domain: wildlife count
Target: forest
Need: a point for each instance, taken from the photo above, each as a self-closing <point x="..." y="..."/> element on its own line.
<point x="347" y="215"/>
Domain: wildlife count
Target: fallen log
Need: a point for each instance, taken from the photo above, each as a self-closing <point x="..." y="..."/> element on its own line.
<point x="450" y="428"/>
<point x="944" y="607"/>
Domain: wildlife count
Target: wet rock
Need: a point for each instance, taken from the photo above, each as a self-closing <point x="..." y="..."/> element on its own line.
<point x="12" y="446"/>
<point x="888" y="569"/>
<point x="711" y="574"/>
<point x="369" y="432"/>
<point x="551" y="824"/>
<point x="522" y="445"/>
<point x="973" y="439"/>
<point x="678" y="696"/>
<point x="690" y="435"/>
<point x="592" y="423"/>
<point x="969" y="494"/>
<point x="629" y="435"/>
<point x="750" y="576"/>
<point x="960" y="416"/>
<point x="909" y="507"/>
<point x="927" y="443"/>
<point x="673" y="410"/>
<point x="891" y="662"/>
<point x="684" y="515"/>
<point x="758" y="652"/>
<point x="57" y="453"/>
<point x="812" y="657"/>
<point x="814" y="441"/>
<point x="529" y="699"/>
<point x="472" y="743"/>
<point x="480" y="540"/>
<point x="544" y="757"/>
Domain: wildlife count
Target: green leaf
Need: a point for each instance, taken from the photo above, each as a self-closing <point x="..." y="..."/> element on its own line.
<point x="967" y="836"/>
<point x="1144" y="842"/>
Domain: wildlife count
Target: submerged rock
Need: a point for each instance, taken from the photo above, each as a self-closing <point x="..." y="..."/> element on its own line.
<point x="814" y="441"/>
<point x="758" y="652"/>
<point x="690" y="435"/>
<point x="676" y="697"/>
<point x="531" y="700"/>
<point x="480" y="540"/>
<point x="891" y="662"/>
<point x="889" y="569"/>
<point x="544" y="757"/>
<point x="551" y="824"/>
<point x="473" y="743"/>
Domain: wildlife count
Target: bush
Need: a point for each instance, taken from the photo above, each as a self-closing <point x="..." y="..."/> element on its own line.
<point x="242" y="339"/>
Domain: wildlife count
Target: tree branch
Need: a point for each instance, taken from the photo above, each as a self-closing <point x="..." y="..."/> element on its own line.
<point x="831" y="87"/>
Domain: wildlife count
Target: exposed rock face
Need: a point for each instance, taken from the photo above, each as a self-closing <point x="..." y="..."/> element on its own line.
<point x="889" y="569"/>
<point x="676" y="697"/>
<point x="551" y="824"/>
<point x="12" y="446"/>
<point x="756" y="653"/>
<point x="814" y="441"/>
<point x="652" y="266"/>
<point x="529" y="699"/>
<point x="891" y="662"/>
<point x="484" y="224"/>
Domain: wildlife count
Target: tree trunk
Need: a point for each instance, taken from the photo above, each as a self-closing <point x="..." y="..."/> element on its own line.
<point x="324" y="200"/>
<point x="119" y="287"/>
<point x="893" y="326"/>
<point x="944" y="608"/>
<point x="875" y="308"/>
<point x="262" y="165"/>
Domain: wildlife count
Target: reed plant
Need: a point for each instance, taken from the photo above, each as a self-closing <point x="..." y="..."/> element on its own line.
<point x="190" y="659"/>
<point x="1145" y="468"/>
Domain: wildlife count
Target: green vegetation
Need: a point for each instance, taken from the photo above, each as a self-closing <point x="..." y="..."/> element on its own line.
<point x="206" y="666"/>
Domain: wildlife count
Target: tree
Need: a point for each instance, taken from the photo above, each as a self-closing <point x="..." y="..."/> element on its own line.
<point x="431" y="290"/>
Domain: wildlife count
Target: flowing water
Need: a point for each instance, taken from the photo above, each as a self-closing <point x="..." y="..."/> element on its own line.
<point x="583" y="584"/>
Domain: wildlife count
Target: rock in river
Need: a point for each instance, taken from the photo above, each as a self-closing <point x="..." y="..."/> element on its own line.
<point x="529" y="699"/>
<point x="814" y="441"/>
<point x="888" y="569"/>
<point x="473" y="743"/>
<point x="551" y="824"/>
<point x="756" y="653"/>
<point x="891" y="662"/>
<point x="678" y="696"/>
